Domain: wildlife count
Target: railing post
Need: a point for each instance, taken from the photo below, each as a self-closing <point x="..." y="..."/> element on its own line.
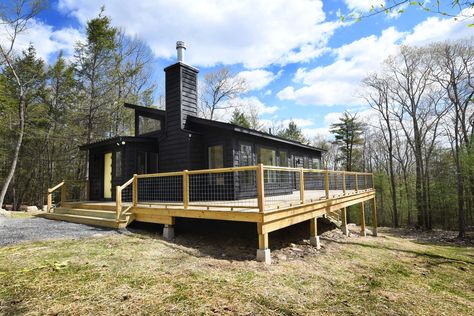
<point x="365" y="181"/>
<point x="357" y="184"/>
<point x="135" y="191"/>
<point x="50" y="201"/>
<point x="185" y="189"/>
<point x="302" y="185"/>
<point x="344" y="182"/>
<point x="260" y="188"/>
<point x="373" y="184"/>
<point x="326" y="183"/>
<point x="63" y="192"/>
<point x="118" y="199"/>
<point x="88" y="190"/>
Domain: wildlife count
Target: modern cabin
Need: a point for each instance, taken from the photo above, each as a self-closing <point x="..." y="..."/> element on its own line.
<point x="177" y="139"/>
<point x="181" y="166"/>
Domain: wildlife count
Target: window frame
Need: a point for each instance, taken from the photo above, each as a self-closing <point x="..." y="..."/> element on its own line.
<point x="118" y="165"/>
<point x="216" y="179"/>
<point x="149" y="118"/>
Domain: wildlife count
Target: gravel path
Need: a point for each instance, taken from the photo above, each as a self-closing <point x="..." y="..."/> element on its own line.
<point x="15" y="230"/>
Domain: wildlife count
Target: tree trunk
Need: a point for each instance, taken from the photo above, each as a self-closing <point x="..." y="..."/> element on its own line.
<point x="16" y="154"/>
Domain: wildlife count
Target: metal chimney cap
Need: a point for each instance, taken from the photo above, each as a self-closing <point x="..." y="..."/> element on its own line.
<point x="180" y="44"/>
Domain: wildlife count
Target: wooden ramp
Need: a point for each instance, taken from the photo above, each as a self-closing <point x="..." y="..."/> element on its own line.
<point x="90" y="213"/>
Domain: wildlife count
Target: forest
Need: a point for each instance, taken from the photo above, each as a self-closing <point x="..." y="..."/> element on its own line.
<point x="417" y="134"/>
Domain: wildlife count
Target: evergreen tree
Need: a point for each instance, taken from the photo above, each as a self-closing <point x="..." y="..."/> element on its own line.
<point x="348" y="134"/>
<point x="293" y="132"/>
<point x="239" y="118"/>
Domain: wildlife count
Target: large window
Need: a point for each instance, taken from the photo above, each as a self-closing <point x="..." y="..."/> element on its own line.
<point x="245" y="155"/>
<point x="267" y="157"/>
<point x="216" y="160"/>
<point x="283" y="158"/>
<point x="118" y="163"/>
<point x="316" y="163"/>
<point x="148" y="125"/>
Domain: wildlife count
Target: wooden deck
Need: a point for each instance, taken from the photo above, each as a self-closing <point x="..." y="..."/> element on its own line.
<point x="269" y="213"/>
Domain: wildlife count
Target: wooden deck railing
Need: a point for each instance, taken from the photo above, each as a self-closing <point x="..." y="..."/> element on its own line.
<point x="251" y="187"/>
<point x="68" y="192"/>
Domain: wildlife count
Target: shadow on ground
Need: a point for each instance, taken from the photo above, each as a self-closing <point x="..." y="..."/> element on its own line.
<point x="230" y="240"/>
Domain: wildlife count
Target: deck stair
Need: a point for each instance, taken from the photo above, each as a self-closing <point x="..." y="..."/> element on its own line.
<point x="335" y="217"/>
<point x="95" y="214"/>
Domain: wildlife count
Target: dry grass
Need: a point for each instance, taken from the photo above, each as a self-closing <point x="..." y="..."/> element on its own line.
<point x="140" y="274"/>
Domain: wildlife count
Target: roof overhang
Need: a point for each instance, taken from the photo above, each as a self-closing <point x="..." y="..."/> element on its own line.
<point x="252" y="132"/>
<point x="118" y="140"/>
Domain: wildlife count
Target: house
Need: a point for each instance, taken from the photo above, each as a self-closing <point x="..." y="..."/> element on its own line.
<point x="176" y="139"/>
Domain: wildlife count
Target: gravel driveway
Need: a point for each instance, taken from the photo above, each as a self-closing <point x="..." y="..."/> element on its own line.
<point x="15" y="230"/>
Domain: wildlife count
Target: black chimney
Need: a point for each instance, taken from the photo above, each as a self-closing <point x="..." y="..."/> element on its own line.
<point x="181" y="90"/>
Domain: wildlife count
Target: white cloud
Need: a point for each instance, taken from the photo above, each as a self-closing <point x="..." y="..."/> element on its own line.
<point x="246" y="105"/>
<point x="46" y="40"/>
<point x="363" y="5"/>
<point x="259" y="78"/>
<point x="322" y="132"/>
<point x="435" y="29"/>
<point x="337" y="83"/>
<point x="255" y="33"/>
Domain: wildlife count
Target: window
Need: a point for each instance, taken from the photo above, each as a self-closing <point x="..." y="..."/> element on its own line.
<point x="148" y="125"/>
<point x="316" y="163"/>
<point x="142" y="162"/>
<point x="306" y="163"/>
<point x="246" y="159"/>
<point x="268" y="157"/>
<point x="283" y="159"/>
<point x="118" y="163"/>
<point x="216" y="156"/>
<point x="216" y="160"/>
<point x="245" y="155"/>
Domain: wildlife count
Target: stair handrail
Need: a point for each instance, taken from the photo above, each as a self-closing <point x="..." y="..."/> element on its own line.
<point x="118" y="198"/>
<point x="50" y="195"/>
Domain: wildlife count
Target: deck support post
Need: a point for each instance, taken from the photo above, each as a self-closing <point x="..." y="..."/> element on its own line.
<point x="344" y="228"/>
<point x="313" y="232"/>
<point x="362" y="219"/>
<point x="263" y="252"/>
<point x="168" y="232"/>
<point x="374" y="217"/>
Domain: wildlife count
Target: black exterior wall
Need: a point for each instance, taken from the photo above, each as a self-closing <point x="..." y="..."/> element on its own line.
<point x="183" y="142"/>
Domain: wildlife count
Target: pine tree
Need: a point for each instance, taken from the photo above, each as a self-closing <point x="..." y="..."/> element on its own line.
<point x="239" y="118"/>
<point x="348" y="134"/>
<point x="293" y="132"/>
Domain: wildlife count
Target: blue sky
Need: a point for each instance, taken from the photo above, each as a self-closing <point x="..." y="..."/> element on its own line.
<point x="300" y="60"/>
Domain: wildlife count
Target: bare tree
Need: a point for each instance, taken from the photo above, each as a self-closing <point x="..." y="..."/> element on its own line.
<point x="418" y="111"/>
<point x="219" y="87"/>
<point x="15" y="19"/>
<point x="378" y="98"/>
<point x="454" y="66"/>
